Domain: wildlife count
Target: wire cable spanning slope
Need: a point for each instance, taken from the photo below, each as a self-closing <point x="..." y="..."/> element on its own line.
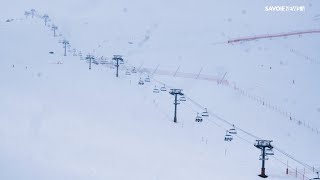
<point x="266" y="36"/>
<point x="255" y="137"/>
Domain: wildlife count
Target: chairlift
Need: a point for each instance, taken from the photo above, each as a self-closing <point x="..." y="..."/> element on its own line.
<point x="198" y="118"/>
<point x="103" y="62"/>
<point x="141" y="82"/>
<point x="134" y="70"/>
<point x="228" y="137"/>
<point x="128" y="72"/>
<point x="182" y="98"/>
<point x="147" y="79"/>
<point x="317" y="178"/>
<point x="269" y="152"/>
<point x="233" y="130"/>
<point x="205" y="113"/>
<point x="163" y="88"/>
<point x="156" y="90"/>
<point x="95" y="62"/>
<point x="265" y="157"/>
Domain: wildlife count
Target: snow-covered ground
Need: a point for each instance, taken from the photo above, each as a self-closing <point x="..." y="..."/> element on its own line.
<point x="63" y="121"/>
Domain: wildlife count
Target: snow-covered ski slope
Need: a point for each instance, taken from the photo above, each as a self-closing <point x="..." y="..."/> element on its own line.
<point x="63" y="121"/>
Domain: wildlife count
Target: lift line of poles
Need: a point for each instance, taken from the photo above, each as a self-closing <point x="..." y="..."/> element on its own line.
<point x="264" y="145"/>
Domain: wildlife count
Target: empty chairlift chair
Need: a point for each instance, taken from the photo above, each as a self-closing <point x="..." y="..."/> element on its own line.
<point x="233" y="130"/>
<point x="265" y="157"/>
<point x="156" y="90"/>
<point x="205" y="113"/>
<point x="134" y="70"/>
<point x="141" y="82"/>
<point x="182" y="98"/>
<point x="128" y="72"/>
<point x="198" y="118"/>
<point x="269" y="152"/>
<point x="228" y="137"/>
<point x="147" y="79"/>
<point x="163" y="88"/>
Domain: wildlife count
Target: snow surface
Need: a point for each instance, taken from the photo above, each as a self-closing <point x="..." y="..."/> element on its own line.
<point x="63" y="121"/>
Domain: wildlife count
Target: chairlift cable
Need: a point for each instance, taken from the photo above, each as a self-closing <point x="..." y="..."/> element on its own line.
<point x="242" y="130"/>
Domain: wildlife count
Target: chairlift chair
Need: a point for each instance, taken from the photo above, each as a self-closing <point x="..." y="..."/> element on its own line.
<point x="156" y="90"/>
<point x="205" y="113"/>
<point x="95" y="62"/>
<point x="134" y="70"/>
<point x="103" y="62"/>
<point x="317" y="178"/>
<point x="228" y="137"/>
<point x="265" y="157"/>
<point x="233" y="130"/>
<point x="128" y="72"/>
<point x="147" y="79"/>
<point x="269" y="152"/>
<point x="182" y="98"/>
<point x="141" y="82"/>
<point x="198" y="118"/>
<point x="163" y="88"/>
